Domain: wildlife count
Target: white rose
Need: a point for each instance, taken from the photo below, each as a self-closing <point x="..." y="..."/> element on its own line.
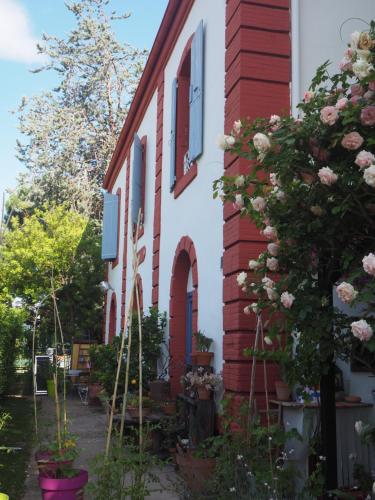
<point x="287" y="299"/>
<point x="279" y="193"/>
<point x="274" y="180"/>
<point x="270" y="233"/>
<point x="268" y="340"/>
<point x="241" y="278"/>
<point x="274" y="120"/>
<point x="258" y="204"/>
<point x="261" y="143"/>
<point x="358" y="427"/>
<point x="225" y="141"/>
<point x="369" y="264"/>
<point x="272" y="264"/>
<point x="254" y="264"/>
<point x="273" y="249"/>
<point x="271" y="294"/>
<point x="240" y="181"/>
<point x="327" y="176"/>
<point x="237" y="125"/>
<point x="369" y="175"/>
<point x="362" y="68"/>
<point x="354" y="39"/>
<point x="346" y="292"/>
<point x="239" y="201"/>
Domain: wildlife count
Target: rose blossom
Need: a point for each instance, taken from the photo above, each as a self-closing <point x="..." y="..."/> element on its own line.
<point x="368" y="116"/>
<point x="308" y="95"/>
<point x="362" y="68"/>
<point x="239" y="181"/>
<point x="317" y="210"/>
<point x="327" y="176"/>
<point x="241" y="278"/>
<point x="341" y="103"/>
<point x="267" y="282"/>
<point x="346" y="292"/>
<point x="258" y="203"/>
<point x="274" y="119"/>
<point x="225" y="141"/>
<point x="364" y="159"/>
<point x="357" y="89"/>
<point x="362" y="330"/>
<point x="254" y="264"/>
<point x="369" y="176"/>
<point x="329" y="115"/>
<point x="272" y="264"/>
<point x="237" y="125"/>
<point x="261" y="142"/>
<point x="239" y="201"/>
<point x="365" y="41"/>
<point x="279" y="193"/>
<point x="271" y="294"/>
<point x="352" y="141"/>
<point x="253" y="307"/>
<point x="273" y="249"/>
<point x="274" y="180"/>
<point x="287" y="299"/>
<point x="267" y="340"/>
<point x="371" y="85"/>
<point x="345" y="64"/>
<point x="270" y="233"/>
<point x="354" y="39"/>
<point x="358" y="426"/>
<point x="369" y="264"/>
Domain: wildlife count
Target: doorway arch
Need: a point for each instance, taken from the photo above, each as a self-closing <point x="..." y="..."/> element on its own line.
<point x="183" y="310"/>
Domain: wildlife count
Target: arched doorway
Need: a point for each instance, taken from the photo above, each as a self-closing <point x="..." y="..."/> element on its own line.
<point x="183" y="310"/>
<point x="112" y="318"/>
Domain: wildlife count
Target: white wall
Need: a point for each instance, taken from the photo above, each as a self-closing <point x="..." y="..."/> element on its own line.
<point x="316" y="36"/>
<point x="148" y="128"/>
<point x="115" y="275"/>
<point x="194" y="213"/>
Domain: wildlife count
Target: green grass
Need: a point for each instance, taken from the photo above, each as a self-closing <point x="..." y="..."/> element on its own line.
<point x="18" y="432"/>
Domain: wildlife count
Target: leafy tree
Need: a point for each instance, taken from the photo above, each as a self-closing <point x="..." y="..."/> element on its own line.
<point x="61" y="245"/>
<point x="71" y="130"/>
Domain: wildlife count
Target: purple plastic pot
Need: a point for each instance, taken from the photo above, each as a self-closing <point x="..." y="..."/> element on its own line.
<point x="64" y="489"/>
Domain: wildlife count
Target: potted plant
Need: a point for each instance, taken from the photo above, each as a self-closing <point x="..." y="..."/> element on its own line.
<point x="67" y="485"/>
<point x="200" y="384"/>
<point x="202" y="343"/>
<point x="133" y="406"/>
<point x="52" y="457"/>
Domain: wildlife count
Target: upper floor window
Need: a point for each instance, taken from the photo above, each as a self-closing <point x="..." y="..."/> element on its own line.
<point x="187" y="108"/>
<point x="138" y="180"/>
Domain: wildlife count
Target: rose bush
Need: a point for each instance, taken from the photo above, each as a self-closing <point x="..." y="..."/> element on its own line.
<point x="310" y="190"/>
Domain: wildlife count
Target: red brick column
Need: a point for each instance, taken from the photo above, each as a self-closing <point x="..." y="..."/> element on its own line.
<point x="257" y="64"/>
<point x="157" y="204"/>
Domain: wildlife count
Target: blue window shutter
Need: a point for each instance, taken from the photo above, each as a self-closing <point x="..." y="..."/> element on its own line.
<point x="110" y="226"/>
<point x="196" y="94"/>
<point x="173" y="135"/>
<point x="136" y="179"/>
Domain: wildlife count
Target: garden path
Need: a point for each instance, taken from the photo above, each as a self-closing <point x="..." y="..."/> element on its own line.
<point x="88" y="423"/>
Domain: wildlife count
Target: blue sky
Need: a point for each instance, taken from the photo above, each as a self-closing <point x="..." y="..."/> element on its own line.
<point x="22" y="23"/>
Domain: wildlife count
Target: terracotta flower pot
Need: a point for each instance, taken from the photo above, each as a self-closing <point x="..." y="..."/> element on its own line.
<point x="203" y="393"/>
<point x="282" y="391"/>
<point x="202" y="358"/>
<point x="48" y="465"/>
<point x="64" y="489"/>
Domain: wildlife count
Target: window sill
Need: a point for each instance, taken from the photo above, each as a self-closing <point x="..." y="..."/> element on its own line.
<point x="184" y="181"/>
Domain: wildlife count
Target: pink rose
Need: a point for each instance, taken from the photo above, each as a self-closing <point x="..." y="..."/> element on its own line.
<point x="329" y="115"/>
<point x="346" y="292"/>
<point x="357" y="89"/>
<point x="369" y="264"/>
<point x="345" y="64"/>
<point x="272" y="264"/>
<point x="362" y="330"/>
<point x="287" y="299"/>
<point x="371" y="85"/>
<point x="364" y="159"/>
<point x="341" y="103"/>
<point x="308" y="95"/>
<point x="258" y="204"/>
<point x="368" y="95"/>
<point x="327" y="176"/>
<point x="273" y="249"/>
<point x="270" y="233"/>
<point x="352" y="141"/>
<point x="239" y="203"/>
<point x="368" y="116"/>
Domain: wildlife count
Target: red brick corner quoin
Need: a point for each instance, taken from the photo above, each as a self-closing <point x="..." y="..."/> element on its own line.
<point x="257" y="78"/>
<point x="185" y="258"/>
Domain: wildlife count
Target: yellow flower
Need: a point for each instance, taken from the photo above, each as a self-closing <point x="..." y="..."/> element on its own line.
<point x="133" y="382"/>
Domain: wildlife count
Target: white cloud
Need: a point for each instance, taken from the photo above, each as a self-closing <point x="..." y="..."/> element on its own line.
<point x="16" y="40"/>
